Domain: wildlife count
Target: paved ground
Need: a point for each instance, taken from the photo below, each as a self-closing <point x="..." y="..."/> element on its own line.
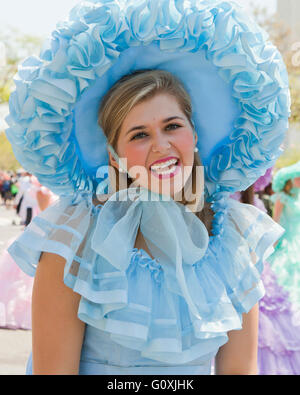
<point x="7" y="230"/>
<point x="15" y="346"/>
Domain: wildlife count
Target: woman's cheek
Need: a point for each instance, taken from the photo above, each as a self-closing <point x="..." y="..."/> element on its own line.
<point x="185" y="147"/>
<point x="135" y="156"/>
<point x="136" y="165"/>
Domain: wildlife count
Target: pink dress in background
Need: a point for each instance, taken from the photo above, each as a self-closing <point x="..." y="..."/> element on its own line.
<point x="15" y="294"/>
<point x="15" y="285"/>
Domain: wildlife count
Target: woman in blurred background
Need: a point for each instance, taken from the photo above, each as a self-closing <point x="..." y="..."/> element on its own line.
<point x="278" y="336"/>
<point x="285" y="261"/>
<point x="15" y="285"/>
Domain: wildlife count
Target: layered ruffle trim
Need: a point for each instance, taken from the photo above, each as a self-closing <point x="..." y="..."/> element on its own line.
<point x="84" y="47"/>
<point x="285" y="264"/>
<point x="277" y="330"/>
<point x="141" y="305"/>
<point x="279" y="335"/>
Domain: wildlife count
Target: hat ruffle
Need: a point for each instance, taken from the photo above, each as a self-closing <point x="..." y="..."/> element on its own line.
<point x="127" y="302"/>
<point x="83" y="48"/>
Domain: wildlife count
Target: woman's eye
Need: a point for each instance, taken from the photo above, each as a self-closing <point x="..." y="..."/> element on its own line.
<point x="138" y="136"/>
<point x="173" y="126"/>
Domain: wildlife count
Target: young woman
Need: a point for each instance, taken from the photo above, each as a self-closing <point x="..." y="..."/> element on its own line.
<point x="141" y="267"/>
<point x="285" y="260"/>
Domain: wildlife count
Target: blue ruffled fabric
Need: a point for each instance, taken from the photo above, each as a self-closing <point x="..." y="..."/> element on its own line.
<point x="84" y="49"/>
<point x="126" y="301"/>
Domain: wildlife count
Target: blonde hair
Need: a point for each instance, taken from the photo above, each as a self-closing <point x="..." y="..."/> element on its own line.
<point x="133" y="89"/>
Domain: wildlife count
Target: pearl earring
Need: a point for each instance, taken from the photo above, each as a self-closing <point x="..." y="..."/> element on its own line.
<point x="196" y="149"/>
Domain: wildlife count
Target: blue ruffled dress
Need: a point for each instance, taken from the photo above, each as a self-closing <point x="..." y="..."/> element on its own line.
<point x="285" y="261"/>
<point x="139" y="319"/>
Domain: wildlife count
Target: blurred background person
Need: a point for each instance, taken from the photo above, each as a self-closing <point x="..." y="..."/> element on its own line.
<point x="15" y="285"/>
<point x="23" y="184"/>
<point x="6" y="184"/>
<point x="285" y="261"/>
<point x="278" y="335"/>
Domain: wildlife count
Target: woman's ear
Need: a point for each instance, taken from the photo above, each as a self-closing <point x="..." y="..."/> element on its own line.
<point x="116" y="162"/>
<point x="112" y="161"/>
<point x="195" y="137"/>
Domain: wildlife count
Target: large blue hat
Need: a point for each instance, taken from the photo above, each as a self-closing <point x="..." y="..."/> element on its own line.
<point x="236" y="79"/>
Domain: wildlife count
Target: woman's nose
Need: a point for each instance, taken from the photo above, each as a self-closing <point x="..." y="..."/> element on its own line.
<point x="160" y="143"/>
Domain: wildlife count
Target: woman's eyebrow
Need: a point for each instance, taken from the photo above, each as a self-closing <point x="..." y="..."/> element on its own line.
<point x="144" y="127"/>
<point x="172" y="118"/>
<point x="135" y="128"/>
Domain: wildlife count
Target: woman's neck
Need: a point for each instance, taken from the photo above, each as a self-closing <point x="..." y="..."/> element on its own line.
<point x="141" y="243"/>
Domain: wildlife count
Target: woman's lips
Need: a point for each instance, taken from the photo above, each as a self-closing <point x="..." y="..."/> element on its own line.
<point x="168" y="173"/>
<point x="161" y="161"/>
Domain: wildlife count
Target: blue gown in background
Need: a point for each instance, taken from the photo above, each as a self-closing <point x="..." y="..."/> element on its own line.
<point x="285" y="260"/>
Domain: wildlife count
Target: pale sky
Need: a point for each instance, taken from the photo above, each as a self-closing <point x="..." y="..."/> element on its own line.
<point x="39" y="17"/>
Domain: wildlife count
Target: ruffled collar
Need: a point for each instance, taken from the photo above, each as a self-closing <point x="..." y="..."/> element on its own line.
<point x="174" y="234"/>
<point x="174" y="309"/>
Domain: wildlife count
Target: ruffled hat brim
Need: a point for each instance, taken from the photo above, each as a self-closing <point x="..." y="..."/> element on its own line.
<point x="236" y="79"/>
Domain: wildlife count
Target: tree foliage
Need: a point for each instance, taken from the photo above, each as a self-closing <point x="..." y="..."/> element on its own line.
<point x="288" y="158"/>
<point x="7" y="158"/>
<point x="280" y="35"/>
<point x="17" y="47"/>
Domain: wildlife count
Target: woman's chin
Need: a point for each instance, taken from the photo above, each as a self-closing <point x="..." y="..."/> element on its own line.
<point x="171" y="186"/>
<point x="168" y="186"/>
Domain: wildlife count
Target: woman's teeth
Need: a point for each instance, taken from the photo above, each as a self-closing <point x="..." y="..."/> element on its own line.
<point x="163" y="168"/>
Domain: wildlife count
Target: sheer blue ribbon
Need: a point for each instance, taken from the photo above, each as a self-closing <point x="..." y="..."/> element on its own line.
<point x="174" y="235"/>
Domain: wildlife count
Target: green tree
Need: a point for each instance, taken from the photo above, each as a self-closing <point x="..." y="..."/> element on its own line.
<point x="7" y="158"/>
<point x="17" y="47"/>
<point x="280" y="35"/>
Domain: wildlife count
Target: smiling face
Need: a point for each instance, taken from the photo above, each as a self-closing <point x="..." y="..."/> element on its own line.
<point x="156" y="140"/>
